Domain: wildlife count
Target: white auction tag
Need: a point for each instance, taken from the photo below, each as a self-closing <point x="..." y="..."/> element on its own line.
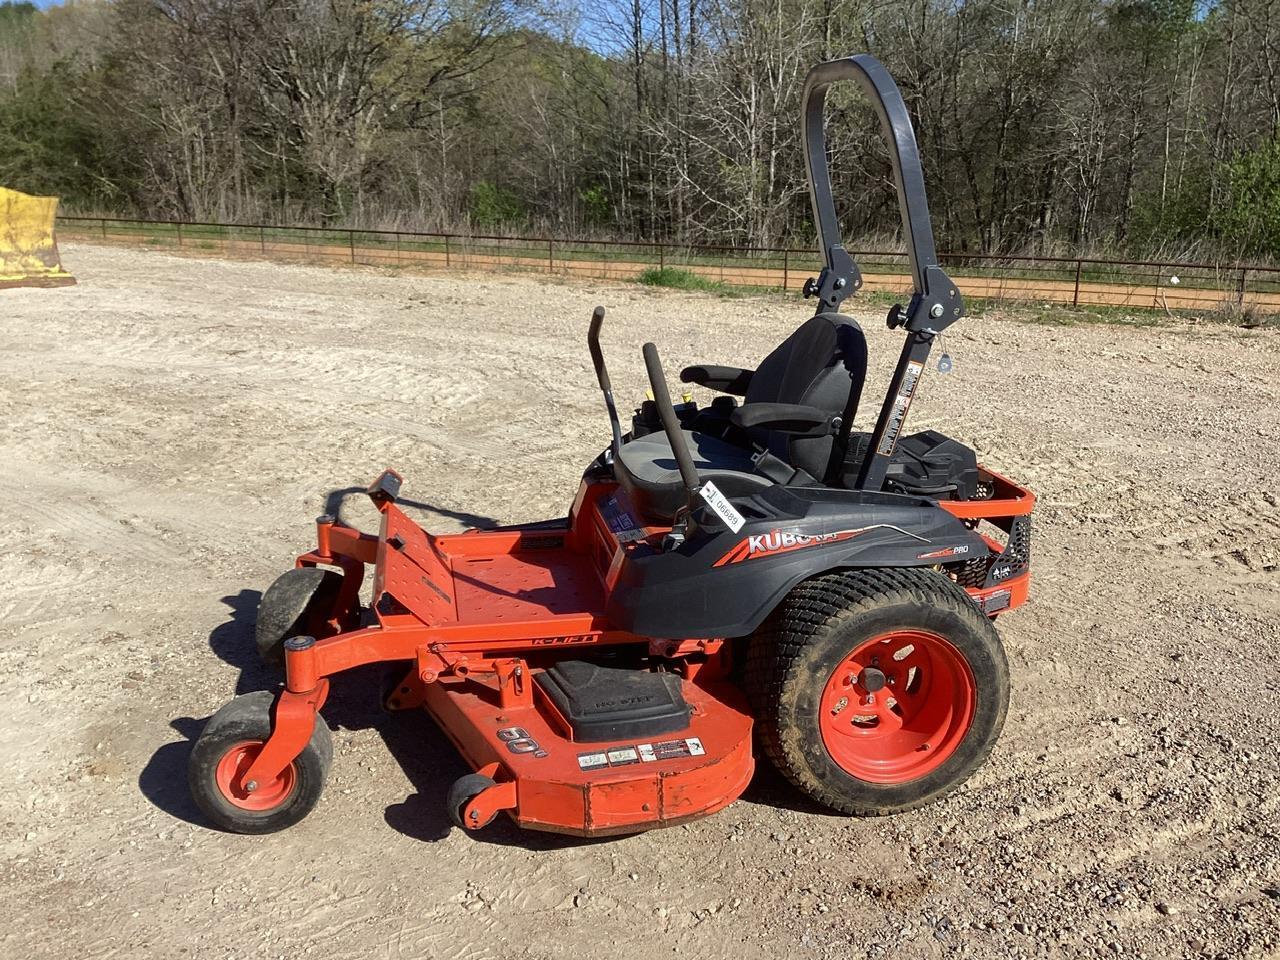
<point x="721" y="507"/>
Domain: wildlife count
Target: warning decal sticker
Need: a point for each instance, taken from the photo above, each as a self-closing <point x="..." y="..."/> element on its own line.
<point x="641" y="753"/>
<point x="671" y="749"/>
<point x="622" y="524"/>
<point x="899" y="412"/>
<point x="621" y="756"/>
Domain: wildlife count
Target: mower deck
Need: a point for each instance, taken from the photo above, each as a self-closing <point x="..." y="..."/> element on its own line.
<point x="597" y="788"/>
<point x="537" y="593"/>
<point x="530" y="585"/>
<point x="525" y="586"/>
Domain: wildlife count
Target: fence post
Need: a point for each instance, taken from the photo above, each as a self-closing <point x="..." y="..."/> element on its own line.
<point x="1240" y="288"/>
<point x="262" y="240"/>
<point x="1075" y="297"/>
<point x="662" y="255"/>
<point x="551" y="257"/>
<point x="179" y="233"/>
<point x="447" y="260"/>
<point x="397" y="246"/>
<point x="104" y="228"/>
<point x="786" y="270"/>
<point x="351" y="244"/>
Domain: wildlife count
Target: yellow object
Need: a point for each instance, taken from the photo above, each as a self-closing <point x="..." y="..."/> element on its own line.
<point x="28" y="249"/>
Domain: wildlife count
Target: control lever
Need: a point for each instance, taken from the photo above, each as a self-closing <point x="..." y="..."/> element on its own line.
<point x="693" y="485"/>
<point x="602" y="375"/>
<point x="670" y="422"/>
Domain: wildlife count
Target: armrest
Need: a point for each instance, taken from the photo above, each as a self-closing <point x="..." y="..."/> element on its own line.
<point x="793" y="418"/>
<point x="732" y="380"/>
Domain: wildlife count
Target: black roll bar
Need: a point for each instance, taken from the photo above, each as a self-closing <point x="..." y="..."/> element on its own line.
<point x="932" y="285"/>
<point x="935" y="301"/>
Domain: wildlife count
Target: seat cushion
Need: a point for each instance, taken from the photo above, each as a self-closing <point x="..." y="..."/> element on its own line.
<point x="648" y="471"/>
<point x="807" y="369"/>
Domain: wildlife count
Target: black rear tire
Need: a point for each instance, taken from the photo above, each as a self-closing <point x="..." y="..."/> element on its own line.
<point x="793" y="656"/>
<point x="246" y="720"/>
<point x="298" y="602"/>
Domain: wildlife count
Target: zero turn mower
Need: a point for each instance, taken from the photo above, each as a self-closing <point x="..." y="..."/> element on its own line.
<point x="753" y="567"/>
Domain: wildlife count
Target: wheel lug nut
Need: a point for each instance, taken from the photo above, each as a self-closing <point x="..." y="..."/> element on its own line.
<point x="251" y="786"/>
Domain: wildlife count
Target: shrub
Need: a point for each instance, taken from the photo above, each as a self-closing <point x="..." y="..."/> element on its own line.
<point x="680" y="280"/>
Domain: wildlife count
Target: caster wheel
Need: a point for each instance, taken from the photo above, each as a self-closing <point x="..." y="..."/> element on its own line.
<point x="397" y="689"/>
<point x="298" y="602"/>
<point x="230" y="742"/>
<point x="877" y="691"/>
<point x="464" y="790"/>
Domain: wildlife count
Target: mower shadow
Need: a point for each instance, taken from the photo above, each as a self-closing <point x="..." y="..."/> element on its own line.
<point x="769" y="788"/>
<point x="163" y="780"/>
<point x="232" y="641"/>
<point x="431" y="764"/>
<point x="415" y="742"/>
<point x="335" y="498"/>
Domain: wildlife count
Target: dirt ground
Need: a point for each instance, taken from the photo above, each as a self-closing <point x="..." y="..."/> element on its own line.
<point x="171" y="427"/>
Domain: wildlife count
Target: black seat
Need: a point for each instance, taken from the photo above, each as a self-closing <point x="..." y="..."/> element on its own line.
<point x="808" y="368"/>
<point x="647" y="468"/>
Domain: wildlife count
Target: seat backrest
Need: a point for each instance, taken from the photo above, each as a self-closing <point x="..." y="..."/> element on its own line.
<point x="809" y="368"/>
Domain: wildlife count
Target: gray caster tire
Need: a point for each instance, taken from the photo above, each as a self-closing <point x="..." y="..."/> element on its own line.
<point x="229" y="743"/>
<point x="464" y="790"/>
<point x="298" y="602"/>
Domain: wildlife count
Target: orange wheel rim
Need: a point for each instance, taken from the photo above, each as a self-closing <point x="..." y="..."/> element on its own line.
<point x="230" y="778"/>
<point x="897" y="707"/>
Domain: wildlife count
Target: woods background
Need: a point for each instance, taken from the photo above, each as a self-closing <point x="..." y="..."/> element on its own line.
<point x="1143" y="127"/>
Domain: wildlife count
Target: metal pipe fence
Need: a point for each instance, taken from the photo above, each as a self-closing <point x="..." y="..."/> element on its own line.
<point x="1078" y="281"/>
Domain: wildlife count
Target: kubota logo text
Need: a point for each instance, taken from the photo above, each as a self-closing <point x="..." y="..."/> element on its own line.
<point x="780" y="541"/>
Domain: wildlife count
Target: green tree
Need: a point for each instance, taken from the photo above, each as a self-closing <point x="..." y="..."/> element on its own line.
<point x="490" y="205"/>
<point x="47" y="145"/>
<point x="1251" y="220"/>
